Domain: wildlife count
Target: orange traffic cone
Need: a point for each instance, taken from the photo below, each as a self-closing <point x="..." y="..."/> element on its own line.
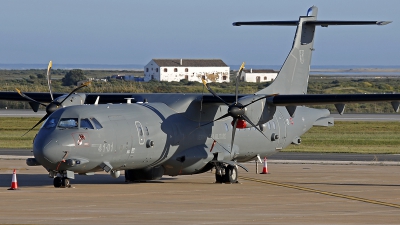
<point x="14" y="185"/>
<point x="265" y="167"/>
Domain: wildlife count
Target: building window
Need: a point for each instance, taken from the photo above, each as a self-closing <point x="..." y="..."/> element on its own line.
<point x="265" y="78"/>
<point x="186" y="77"/>
<point x="147" y="69"/>
<point x="157" y="70"/>
<point x="223" y="77"/>
<point x="165" y="70"/>
<point x="186" y="70"/>
<point x="175" y="69"/>
<point x="203" y="77"/>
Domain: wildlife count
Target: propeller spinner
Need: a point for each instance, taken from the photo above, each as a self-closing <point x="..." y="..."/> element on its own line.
<point x="236" y="110"/>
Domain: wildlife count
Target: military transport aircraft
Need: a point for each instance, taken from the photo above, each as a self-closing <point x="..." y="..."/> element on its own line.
<point x="151" y="135"/>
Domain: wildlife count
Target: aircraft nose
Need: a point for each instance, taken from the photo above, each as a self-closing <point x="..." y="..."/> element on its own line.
<point x="45" y="152"/>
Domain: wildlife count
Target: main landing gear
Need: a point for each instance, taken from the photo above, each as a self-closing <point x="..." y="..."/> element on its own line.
<point x="225" y="173"/>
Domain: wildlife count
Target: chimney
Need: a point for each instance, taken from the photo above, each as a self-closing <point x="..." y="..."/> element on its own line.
<point x="181" y="62"/>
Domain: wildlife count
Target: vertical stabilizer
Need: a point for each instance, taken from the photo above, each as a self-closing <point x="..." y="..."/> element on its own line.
<point x="293" y="76"/>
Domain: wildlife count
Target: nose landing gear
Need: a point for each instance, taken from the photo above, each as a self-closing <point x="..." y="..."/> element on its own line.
<point x="63" y="180"/>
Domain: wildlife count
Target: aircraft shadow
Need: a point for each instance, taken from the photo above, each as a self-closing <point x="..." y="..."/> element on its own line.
<point x="34" y="180"/>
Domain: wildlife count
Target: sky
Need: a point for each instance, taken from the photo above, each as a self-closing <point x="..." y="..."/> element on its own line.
<point x="134" y="32"/>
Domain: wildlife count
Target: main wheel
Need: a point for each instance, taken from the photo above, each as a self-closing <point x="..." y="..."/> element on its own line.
<point x="230" y="174"/>
<point x="218" y="178"/>
<point x="57" y="182"/>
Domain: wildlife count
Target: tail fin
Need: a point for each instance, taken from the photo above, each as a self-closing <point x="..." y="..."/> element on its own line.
<point x="294" y="74"/>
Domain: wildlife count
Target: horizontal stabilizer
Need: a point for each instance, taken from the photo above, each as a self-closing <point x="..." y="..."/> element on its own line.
<point x="322" y="23"/>
<point x="321" y="99"/>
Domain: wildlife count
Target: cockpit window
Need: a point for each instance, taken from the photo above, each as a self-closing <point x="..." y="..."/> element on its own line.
<point x="68" y="123"/>
<point x="96" y="123"/>
<point x="50" y="123"/>
<point x="85" y="123"/>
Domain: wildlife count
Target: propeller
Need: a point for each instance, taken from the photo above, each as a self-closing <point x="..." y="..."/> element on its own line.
<point x="49" y="78"/>
<point x="54" y="104"/>
<point x="235" y="110"/>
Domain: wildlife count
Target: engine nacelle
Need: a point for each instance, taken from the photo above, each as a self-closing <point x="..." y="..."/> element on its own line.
<point x="154" y="173"/>
<point x="258" y="112"/>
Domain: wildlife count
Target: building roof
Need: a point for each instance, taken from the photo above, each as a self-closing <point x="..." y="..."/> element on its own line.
<point x="190" y="62"/>
<point x="260" y="71"/>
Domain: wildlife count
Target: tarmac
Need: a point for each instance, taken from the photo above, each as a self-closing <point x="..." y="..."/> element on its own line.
<point x="293" y="193"/>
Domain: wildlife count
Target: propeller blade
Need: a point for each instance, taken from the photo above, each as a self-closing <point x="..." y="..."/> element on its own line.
<point x="83" y="85"/>
<point x="267" y="96"/>
<point x="49" y="79"/>
<point x="235" y="121"/>
<point x="249" y="121"/>
<point x="237" y="81"/>
<point x="41" y="120"/>
<point x="27" y="97"/>
<point x="212" y="92"/>
<point x="226" y="115"/>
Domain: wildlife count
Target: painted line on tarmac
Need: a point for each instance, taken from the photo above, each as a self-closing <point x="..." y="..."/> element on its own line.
<point x="322" y="192"/>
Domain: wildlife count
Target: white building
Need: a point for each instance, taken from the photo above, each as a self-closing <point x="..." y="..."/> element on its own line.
<point x="212" y="70"/>
<point x="258" y="75"/>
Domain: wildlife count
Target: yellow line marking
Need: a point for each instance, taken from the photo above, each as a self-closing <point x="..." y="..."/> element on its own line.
<point x="322" y="192"/>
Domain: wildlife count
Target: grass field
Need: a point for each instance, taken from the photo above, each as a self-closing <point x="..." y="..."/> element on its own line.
<point x="344" y="137"/>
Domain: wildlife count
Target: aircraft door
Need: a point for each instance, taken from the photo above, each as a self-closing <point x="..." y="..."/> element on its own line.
<point x="140" y="131"/>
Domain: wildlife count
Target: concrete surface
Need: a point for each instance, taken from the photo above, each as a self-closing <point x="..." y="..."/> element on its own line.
<point x="195" y="199"/>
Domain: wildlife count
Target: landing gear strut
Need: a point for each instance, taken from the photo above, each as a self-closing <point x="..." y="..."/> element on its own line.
<point x="226" y="174"/>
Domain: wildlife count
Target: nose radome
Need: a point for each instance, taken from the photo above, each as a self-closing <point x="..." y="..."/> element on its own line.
<point x="45" y="152"/>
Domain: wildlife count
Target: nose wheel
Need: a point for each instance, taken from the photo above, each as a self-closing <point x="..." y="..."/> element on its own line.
<point x="61" y="182"/>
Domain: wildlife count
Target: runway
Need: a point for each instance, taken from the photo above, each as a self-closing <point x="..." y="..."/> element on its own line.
<point x="290" y="194"/>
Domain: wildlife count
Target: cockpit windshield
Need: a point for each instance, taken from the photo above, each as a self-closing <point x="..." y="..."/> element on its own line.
<point x="85" y="124"/>
<point x="50" y="122"/>
<point x="68" y="123"/>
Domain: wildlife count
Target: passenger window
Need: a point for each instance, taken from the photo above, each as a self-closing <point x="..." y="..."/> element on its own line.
<point x="68" y="123"/>
<point x="147" y="131"/>
<point x="226" y="127"/>
<point x="269" y="126"/>
<point x="85" y="124"/>
<point x="273" y="125"/>
<point x="96" y="123"/>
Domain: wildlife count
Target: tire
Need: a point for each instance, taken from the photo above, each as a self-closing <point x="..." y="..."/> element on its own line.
<point x="65" y="182"/>
<point x="57" y="182"/>
<point x="218" y="178"/>
<point x="230" y="174"/>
